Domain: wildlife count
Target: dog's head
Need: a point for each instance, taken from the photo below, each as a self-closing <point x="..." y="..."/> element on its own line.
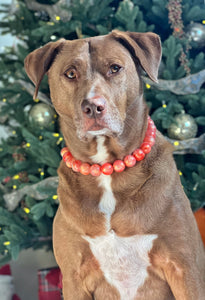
<point x="95" y="82"/>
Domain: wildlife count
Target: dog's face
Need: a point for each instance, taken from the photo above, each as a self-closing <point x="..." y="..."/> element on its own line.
<point x="92" y="86"/>
<point x="94" y="82"/>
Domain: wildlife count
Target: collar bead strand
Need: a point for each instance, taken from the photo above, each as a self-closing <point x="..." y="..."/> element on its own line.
<point x="118" y="165"/>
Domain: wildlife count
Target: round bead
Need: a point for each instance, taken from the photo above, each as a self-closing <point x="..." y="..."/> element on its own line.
<point x="150" y="122"/>
<point x="76" y="165"/>
<point x="150" y="140"/>
<point x="85" y="169"/>
<point x="64" y="150"/>
<point x="69" y="162"/>
<point x="151" y="127"/>
<point x="119" y="166"/>
<point x="146" y="148"/>
<point x="95" y="170"/>
<point x="138" y="154"/>
<point x="129" y="160"/>
<point x="66" y="156"/>
<point x="151" y="133"/>
<point x="107" y="169"/>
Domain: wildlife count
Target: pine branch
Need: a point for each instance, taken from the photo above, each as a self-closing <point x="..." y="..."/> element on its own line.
<point x="30" y="89"/>
<point x="52" y="10"/>
<point x="184" y="86"/>
<point x="12" y="199"/>
<point x="190" y="146"/>
<point x="41" y="239"/>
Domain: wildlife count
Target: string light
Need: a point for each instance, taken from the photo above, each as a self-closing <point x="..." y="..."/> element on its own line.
<point x="27" y="210"/>
<point x="56" y="134"/>
<point x="59" y="140"/>
<point x="50" y="23"/>
<point x="7" y="243"/>
<point x="148" y="86"/>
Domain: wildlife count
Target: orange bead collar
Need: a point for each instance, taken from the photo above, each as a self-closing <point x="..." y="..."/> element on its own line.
<point x="118" y="165"/>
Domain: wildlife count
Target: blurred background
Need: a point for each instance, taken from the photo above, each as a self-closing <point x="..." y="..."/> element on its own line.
<point x="30" y="138"/>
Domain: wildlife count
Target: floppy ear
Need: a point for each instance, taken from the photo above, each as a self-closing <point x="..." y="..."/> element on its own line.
<point x="146" y="47"/>
<point x="38" y="62"/>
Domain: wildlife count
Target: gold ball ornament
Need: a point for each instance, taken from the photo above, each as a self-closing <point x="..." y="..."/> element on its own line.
<point x="195" y="33"/>
<point x="42" y="115"/>
<point x="184" y="127"/>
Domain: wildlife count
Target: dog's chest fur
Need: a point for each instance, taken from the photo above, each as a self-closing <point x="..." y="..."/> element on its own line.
<point x="123" y="260"/>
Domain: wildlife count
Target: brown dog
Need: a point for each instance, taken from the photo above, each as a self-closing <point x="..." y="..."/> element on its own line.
<point x="130" y="235"/>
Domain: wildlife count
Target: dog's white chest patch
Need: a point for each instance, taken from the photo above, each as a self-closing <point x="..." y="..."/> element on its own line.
<point x="107" y="202"/>
<point x="123" y="260"/>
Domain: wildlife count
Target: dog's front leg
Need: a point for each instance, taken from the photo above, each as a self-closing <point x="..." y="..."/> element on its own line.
<point x="185" y="281"/>
<point x="80" y="270"/>
<point x="72" y="291"/>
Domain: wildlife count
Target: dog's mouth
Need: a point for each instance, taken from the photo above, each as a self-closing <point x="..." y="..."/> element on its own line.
<point x="92" y="125"/>
<point x="95" y="127"/>
<point x="92" y="128"/>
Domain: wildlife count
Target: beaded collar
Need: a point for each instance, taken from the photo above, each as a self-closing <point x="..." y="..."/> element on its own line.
<point x="118" y="165"/>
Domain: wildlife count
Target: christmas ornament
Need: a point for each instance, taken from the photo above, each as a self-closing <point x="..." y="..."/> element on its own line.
<point x="195" y="33"/>
<point x="118" y="165"/>
<point x="184" y="127"/>
<point x="42" y="115"/>
<point x="175" y="19"/>
<point x="187" y="85"/>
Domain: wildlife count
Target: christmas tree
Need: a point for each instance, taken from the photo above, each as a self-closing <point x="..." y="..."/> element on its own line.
<point x="29" y="157"/>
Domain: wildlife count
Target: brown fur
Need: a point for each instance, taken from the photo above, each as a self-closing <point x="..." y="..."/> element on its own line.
<point x="150" y="198"/>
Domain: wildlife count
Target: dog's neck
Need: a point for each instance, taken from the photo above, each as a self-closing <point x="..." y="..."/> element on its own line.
<point x="135" y="126"/>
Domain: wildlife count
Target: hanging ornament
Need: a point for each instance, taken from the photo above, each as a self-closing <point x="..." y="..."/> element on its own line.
<point x="195" y="33"/>
<point x="175" y="17"/>
<point x="42" y="115"/>
<point x="184" y="127"/>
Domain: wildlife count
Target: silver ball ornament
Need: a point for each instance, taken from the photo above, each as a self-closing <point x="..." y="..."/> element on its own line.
<point x="42" y="115"/>
<point x="184" y="127"/>
<point x="195" y="33"/>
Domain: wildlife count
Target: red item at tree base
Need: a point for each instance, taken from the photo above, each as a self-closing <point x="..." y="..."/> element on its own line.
<point x="50" y="284"/>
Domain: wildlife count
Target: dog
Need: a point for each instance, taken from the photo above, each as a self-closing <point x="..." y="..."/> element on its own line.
<point x="124" y="228"/>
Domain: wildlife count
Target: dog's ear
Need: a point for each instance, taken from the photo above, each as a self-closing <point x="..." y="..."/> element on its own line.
<point x="146" y="47"/>
<point x="38" y="62"/>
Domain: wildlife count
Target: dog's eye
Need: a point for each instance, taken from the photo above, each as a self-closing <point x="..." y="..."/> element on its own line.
<point x="114" y="69"/>
<point x="71" y="74"/>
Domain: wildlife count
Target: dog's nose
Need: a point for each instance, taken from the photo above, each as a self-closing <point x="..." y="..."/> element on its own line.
<point x="93" y="107"/>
